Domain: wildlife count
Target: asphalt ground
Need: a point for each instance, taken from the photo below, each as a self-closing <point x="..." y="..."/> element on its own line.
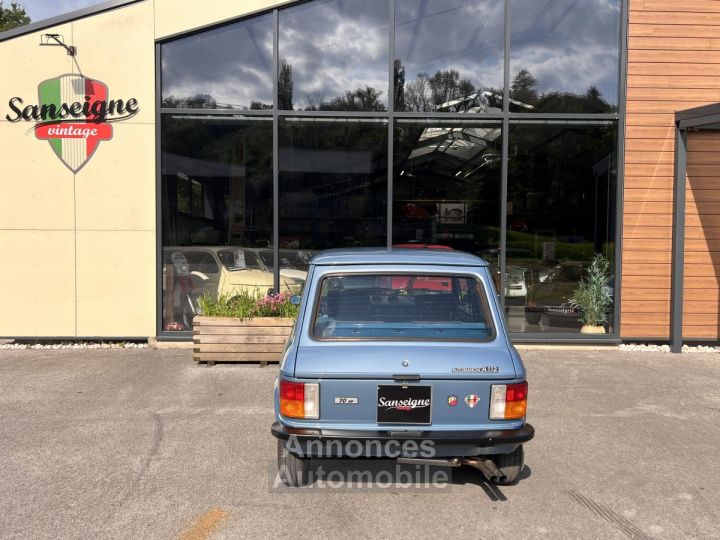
<point x="146" y="444"/>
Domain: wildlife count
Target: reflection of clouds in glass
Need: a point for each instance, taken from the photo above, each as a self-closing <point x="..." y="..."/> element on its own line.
<point x="233" y="64"/>
<point x="466" y="36"/>
<point x="334" y="47"/>
<point x="568" y="45"/>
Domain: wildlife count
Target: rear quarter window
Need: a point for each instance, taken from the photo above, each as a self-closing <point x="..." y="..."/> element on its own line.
<point x="371" y="307"/>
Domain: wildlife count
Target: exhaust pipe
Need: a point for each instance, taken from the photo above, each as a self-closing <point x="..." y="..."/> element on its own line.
<point x="487" y="467"/>
<point x="453" y="462"/>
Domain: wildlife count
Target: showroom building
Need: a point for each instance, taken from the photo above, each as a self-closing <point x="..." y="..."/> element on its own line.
<point x="214" y="149"/>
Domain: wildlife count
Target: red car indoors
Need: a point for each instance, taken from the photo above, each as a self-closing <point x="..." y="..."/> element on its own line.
<point x="421" y="282"/>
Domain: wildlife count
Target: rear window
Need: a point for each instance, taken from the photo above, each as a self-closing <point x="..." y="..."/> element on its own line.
<point x="402" y="307"/>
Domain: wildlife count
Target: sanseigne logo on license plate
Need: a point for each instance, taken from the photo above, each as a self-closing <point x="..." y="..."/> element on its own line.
<point x="404" y="404"/>
<point x="409" y="404"/>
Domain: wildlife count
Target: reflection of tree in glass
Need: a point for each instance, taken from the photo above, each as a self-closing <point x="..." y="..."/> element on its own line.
<point x="525" y="96"/>
<point x="206" y="101"/>
<point x="524" y="88"/>
<point x="285" y="87"/>
<point x="445" y="90"/>
<point x="361" y="99"/>
<point x="399" y="90"/>
<point x="198" y="101"/>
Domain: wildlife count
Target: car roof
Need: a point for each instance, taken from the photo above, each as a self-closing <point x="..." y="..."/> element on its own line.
<point x="440" y="257"/>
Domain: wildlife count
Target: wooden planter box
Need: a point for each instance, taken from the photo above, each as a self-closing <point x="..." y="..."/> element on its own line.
<point x="227" y="339"/>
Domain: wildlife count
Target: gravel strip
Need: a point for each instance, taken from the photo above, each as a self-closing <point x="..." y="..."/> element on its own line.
<point x="77" y="345"/>
<point x="639" y="347"/>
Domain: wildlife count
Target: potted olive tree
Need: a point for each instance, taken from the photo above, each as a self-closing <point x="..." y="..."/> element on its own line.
<point x="592" y="297"/>
<point x="243" y="327"/>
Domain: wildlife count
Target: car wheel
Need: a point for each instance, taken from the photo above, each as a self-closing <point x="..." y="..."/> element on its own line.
<point x="533" y="317"/>
<point x="293" y="470"/>
<point x="510" y="464"/>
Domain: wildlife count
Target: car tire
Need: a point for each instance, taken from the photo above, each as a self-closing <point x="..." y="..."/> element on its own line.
<point x="293" y="470"/>
<point x="510" y="464"/>
<point x="532" y="317"/>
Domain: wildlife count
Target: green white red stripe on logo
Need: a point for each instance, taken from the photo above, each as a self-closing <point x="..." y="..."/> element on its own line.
<point x="73" y="140"/>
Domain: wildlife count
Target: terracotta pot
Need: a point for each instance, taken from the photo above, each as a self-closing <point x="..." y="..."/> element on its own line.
<point x="587" y="329"/>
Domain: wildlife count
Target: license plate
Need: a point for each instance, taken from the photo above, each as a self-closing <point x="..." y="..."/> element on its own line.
<point x="398" y="404"/>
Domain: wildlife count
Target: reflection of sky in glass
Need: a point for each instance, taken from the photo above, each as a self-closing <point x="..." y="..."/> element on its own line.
<point x="464" y="35"/>
<point x="568" y="45"/>
<point x="233" y="64"/>
<point x="335" y="46"/>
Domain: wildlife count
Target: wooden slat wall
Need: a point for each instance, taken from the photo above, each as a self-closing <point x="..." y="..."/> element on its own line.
<point x="702" y="237"/>
<point x="673" y="64"/>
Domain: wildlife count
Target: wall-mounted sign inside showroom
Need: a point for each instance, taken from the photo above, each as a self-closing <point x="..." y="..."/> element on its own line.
<point x="73" y="115"/>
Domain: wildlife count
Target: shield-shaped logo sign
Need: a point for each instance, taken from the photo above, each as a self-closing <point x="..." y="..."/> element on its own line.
<point x="471" y="400"/>
<point x="452" y="400"/>
<point x="74" y="139"/>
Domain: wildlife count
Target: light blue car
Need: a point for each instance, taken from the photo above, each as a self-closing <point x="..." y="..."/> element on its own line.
<point x="401" y="354"/>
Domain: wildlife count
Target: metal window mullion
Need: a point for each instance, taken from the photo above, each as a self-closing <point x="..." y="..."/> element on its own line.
<point x="620" y="169"/>
<point x="504" y="160"/>
<point x="503" y="208"/>
<point x="159" y="300"/>
<point x="678" y="242"/>
<point x="276" y="159"/>
<point x="506" y="63"/>
<point x="391" y="124"/>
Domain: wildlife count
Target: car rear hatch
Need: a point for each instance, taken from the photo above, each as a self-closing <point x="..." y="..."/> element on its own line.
<point x="403" y="385"/>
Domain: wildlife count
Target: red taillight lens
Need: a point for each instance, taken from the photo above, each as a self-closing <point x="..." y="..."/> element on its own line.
<point x="292" y="399"/>
<point x="508" y="401"/>
<point x="299" y="400"/>
<point x="292" y="391"/>
<point x="516" y="392"/>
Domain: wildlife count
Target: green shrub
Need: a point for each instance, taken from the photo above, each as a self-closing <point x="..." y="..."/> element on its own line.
<point x="592" y="296"/>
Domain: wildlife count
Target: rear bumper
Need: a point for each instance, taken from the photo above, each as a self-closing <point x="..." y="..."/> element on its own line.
<point x="480" y="438"/>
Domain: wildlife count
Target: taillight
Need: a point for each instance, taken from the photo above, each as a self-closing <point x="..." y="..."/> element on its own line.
<point x="508" y="401"/>
<point x="300" y="400"/>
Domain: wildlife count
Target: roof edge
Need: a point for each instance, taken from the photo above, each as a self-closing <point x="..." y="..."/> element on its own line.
<point x="696" y="112"/>
<point x="65" y="18"/>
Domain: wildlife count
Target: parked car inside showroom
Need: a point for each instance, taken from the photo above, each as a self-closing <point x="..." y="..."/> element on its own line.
<point x="403" y="345"/>
<point x="216" y="270"/>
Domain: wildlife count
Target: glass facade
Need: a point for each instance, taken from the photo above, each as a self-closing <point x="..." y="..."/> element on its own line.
<point x="226" y="68"/>
<point x="564" y="56"/>
<point x="449" y="55"/>
<point x="562" y="181"/>
<point x="333" y="183"/>
<point x="393" y="122"/>
<point x="446" y="184"/>
<point x="216" y="194"/>
<point x="334" y="56"/>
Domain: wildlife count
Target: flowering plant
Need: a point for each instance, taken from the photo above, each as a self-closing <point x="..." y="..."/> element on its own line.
<point x="276" y="305"/>
<point x="248" y="304"/>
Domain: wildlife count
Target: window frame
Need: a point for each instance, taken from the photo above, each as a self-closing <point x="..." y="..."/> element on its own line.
<point x="485" y="306"/>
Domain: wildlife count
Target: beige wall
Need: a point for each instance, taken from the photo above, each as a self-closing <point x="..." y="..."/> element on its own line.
<point x="78" y="250"/>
